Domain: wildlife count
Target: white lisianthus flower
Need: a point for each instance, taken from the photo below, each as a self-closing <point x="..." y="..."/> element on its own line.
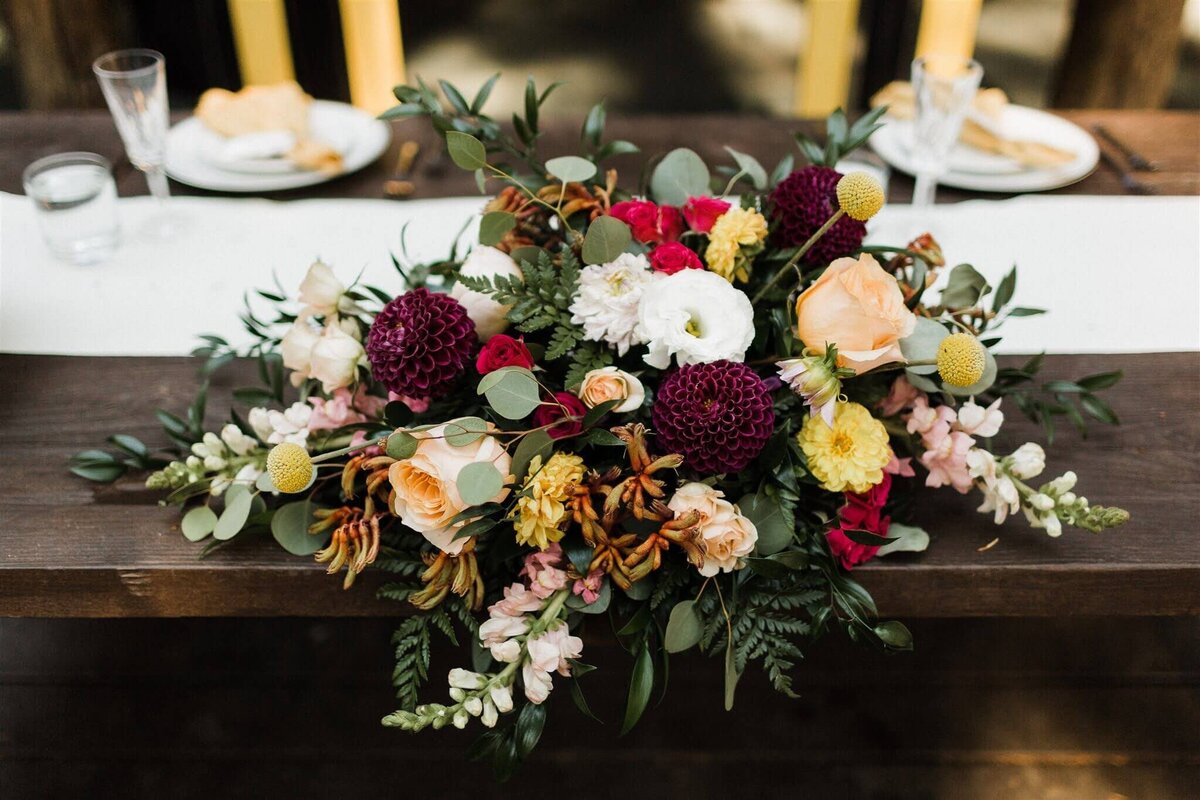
<point x="608" y="300"/>
<point x="296" y="349"/>
<point x="1028" y="461"/>
<point x="335" y="358"/>
<point x="321" y="291"/>
<point x="696" y="316"/>
<point x="488" y="315"/>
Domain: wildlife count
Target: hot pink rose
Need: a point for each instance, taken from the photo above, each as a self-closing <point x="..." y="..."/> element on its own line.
<point x="503" y="351"/>
<point x="649" y="222"/>
<point x="862" y="512"/>
<point x="567" y="405"/>
<point x="671" y="257"/>
<point x="702" y="212"/>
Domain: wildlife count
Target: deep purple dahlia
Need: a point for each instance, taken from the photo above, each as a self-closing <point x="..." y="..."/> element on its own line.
<point x="802" y="203"/>
<point x="718" y="416"/>
<point x="420" y="344"/>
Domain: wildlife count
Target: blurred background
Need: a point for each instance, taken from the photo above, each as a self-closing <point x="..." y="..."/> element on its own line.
<point x="776" y="57"/>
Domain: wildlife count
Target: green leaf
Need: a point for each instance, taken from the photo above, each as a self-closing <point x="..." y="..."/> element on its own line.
<point x="455" y="97"/>
<point x="599" y="437"/>
<point x="1098" y="408"/>
<point x="641" y="684"/>
<point x="483" y="94"/>
<point x="397" y="414"/>
<point x="895" y="635"/>
<point x="750" y="166"/>
<point x="1103" y="380"/>
<point x="530" y="723"/>
<point x="606" y="238"/>
<point x="866" y="537"/>
<point x="680" y="175"/>
<point x="732" y="676"/>
<point x="96" y="465"/>
<point x="597" y="412"/>
<point x="464" y="431"/>
<point x="481" y="181"/>
<point x="515" y="395"/>
<point x="531" y="104"/>
<point x="922" y="344"/>
<point x="774" y="533"/>
<point x="779" y="565"/>
<point x="593" y="125"/>
<point x="905" y="539"/>
<point x="1005" y="290"/>
<point x="264" y="483"/>
<point x="1021" y="311"/>
<point x="964" y="288"/>
<point x="493" y="378"/>
<point x="538" y="443"/>
<point x="237" y="508"/>
<point x="684" y="628"/>
<point x="1059" y="387"/>
<point x="479" y="483"/>
<point x="581" y="702"/>
<point x="129" y="444"/>
<point x="465" y="150"/>
<point x="289" y="526"/>
<point x="494" y="225"/>
<point x="571" y="169"/>
<point x="198" y="523"/>
<point x="401" y="445"/>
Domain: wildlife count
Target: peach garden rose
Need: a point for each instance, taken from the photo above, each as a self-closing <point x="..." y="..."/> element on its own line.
<point x="858" y="306"/>
<point x="724" y="534"/>
<point x="609" y="383"/>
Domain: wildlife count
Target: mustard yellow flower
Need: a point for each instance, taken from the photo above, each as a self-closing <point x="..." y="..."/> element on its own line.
<point x="960" y="359"/>
<point x="290" y="467"/>
<point x="859" y="195"/>
<point x="736" y="237"/>
<point x="849" y="455"/>
<point x="541" y="509"/>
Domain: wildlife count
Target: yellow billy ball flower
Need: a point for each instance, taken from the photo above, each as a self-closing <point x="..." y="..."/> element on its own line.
<point x="542" y="508"/>
<point x="860" y="195"/>
<point x="960" y="359"/>
<point x="290" y="467"/>
<point x="850" y="454"/>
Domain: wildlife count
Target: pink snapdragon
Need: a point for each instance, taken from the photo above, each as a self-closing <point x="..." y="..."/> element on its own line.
<point x="344" y="409"/>
<point x="902" y="395"/>
<point x="543" y="572"/>
<point x="589" y="587"/>
<point x="945" y="457"/>
<point x="552" y="651"/>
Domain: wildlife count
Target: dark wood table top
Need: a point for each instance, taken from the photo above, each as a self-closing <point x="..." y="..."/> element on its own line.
<point x="72" y="548"/>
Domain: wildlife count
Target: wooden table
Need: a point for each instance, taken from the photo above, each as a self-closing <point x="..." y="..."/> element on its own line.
<point x="71" y="548"/>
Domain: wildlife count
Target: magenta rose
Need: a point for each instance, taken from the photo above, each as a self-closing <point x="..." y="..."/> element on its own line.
<point x="702" y="212"/>
<point x="650" y="223"/>
<point x="862" y="512"/>
<point x="503" y="351"/>
<point x="568" y="405"/>
<point x="671" y="257"/>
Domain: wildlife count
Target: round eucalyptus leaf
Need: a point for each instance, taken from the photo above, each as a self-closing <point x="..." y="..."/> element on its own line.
<point x="774" y="533"/>
<point x="264" y="483"/>
<point x="515" y="396"/>
<point x="237" y="508"/>
<point x="494" y="225"/>
<point x="922" y="344"/>
<point x="401" y="445"/>
<point x="606" y="238"/>
<point x="465" y="150"/>
<point x="921" y="382"/>
<point x="479" y="483"/>
<point x="494" y="377"/>
<point x="684" y="628"/>
<point x="680" y="175"/>
<point x="464" y="431"/>
<point x="289" y="526"/>
<point x="198" y="523"/>
<point x="571" y="168"/>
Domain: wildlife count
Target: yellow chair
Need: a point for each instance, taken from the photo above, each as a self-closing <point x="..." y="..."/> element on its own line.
<point x="823" y="73"/>
<point x="370" y="33"/>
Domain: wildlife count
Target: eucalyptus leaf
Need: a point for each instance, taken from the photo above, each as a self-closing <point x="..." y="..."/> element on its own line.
<point x="264" y="483"/>
<point x="401" y="445"/>
<point x="964" y="288"/>
<point x="479" y="483"/>
<point x="495" y="376"/>
<point x="684" y="628"/>
<point x="571" y="169"/>
<point x="920" y="381"/>
<point x="515" y="395"/>
<point x="905" y="539"/>
<point x="465" y="150"/>
<point x="680" y="175"/>
<point x="237" y="510"/>
<point x="774" y="533"/>
<point x="464" y="431"/>
<point x="749" y="165"/>
<point x="198" y="523"/>
<point x="290" y="524"/>
<point x="494" y="225"/>
<point x="922" y="344"/>
<point x="606" y="238"/>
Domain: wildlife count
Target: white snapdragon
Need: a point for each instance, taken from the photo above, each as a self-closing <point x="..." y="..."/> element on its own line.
<point x="979" y="421"/>
<point x="1028" y="461"/>
<point x="696" y="317"/>
<point x="608" y="300"/>
<point x="276" y="427"/>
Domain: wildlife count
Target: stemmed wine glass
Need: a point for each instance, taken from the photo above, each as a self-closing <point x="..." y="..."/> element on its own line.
<point x="945" y="88"/>
<point x="134" y="83"/>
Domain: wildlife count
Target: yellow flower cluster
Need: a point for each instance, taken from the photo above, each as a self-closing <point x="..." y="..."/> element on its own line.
<point x="850" y="455"/>
<point x="859" y="195"/>
<point x="290" y="467"/>
<point x="735" y="238"/>
<point x="960" y="359"/>
<point x="541" y="509"/>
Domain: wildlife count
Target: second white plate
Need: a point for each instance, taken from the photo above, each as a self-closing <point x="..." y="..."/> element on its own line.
<point x="977" y="171"/>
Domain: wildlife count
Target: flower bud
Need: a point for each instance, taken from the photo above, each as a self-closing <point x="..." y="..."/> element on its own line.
<point x="473" y="705"/>
<point x="457" y="695"/>
<point x="461" y="718"/>
<point x="489" y="715"/>
<point x="466" y="679"/>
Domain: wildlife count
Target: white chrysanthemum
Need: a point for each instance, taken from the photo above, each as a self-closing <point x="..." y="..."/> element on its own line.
<point x="608" y="300"/>
<point x="696" y="316"/>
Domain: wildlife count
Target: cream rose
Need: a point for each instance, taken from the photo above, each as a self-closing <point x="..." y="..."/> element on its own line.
<point x="335" y="358"/>
<point x="609" y="383"/>
<point x="858" y="307"/>
<point x="321" y="291"/>
<point x="426" y="486"/>
<point x="724" y="534"/>
<point x="296" y="349"/>
<point x="486" y="313"/>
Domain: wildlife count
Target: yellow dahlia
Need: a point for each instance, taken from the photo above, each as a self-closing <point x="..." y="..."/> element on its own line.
<point x="849" y="455"/>
<point x="735" y="238"/>
<point x="541" y="509"/>
<point x="960" y="359"/>
<point x="859" y="195"/>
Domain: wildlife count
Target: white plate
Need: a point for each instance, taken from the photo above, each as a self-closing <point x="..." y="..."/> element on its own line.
<point x="984" y="172"/>
<point x="358" y="136"/>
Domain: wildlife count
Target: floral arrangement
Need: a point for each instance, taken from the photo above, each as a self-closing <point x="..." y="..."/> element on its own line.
<point x="694" y="406"/>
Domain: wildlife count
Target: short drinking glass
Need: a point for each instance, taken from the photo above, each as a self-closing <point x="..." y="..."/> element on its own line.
<point x="945" y="88"/>
<point x="76" y="201"/>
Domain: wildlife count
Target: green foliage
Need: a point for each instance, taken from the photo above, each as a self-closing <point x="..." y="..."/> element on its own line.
<point x="841" y="138"/>
<point x="1058" y="398"/>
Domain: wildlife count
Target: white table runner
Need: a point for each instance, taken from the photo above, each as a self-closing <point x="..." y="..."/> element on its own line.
<point x="1119" y="274"/>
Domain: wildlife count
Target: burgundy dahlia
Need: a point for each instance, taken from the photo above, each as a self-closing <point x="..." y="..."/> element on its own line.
<point x="718" y="416"/>
<point x="802" y="203"/>
<point x="420" y="344"/>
